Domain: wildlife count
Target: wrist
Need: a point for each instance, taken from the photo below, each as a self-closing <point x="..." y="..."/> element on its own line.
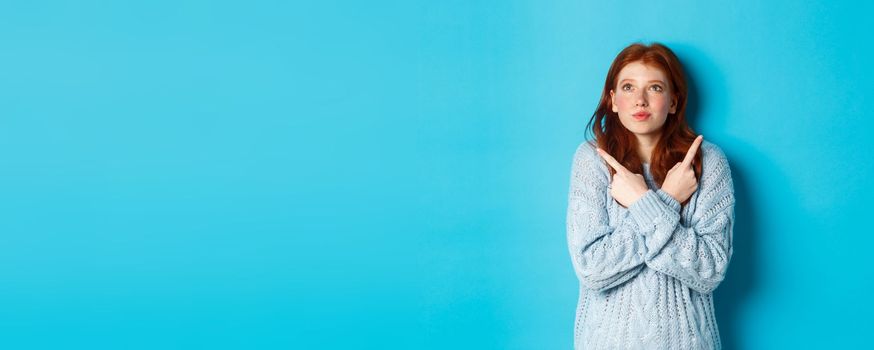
<point x="669" y="200"/>
<point x="646" y="209"/>
<point x="637" y="197"/>
<point x="669" y="192"/>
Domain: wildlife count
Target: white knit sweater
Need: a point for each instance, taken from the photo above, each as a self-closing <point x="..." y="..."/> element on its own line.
<point x="647" y="272"/>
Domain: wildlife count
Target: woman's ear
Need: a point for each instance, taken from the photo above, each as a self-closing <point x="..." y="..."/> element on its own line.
<point x="673" y="105"/>
<point x="613" y="102"/>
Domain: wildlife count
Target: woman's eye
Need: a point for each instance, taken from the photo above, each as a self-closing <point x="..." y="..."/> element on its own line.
<point x="657" y="88"/>
<point x="626" y="87"/>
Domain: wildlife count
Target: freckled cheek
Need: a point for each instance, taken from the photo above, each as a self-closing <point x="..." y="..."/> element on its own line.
<point x="659" y="103"/>
<point x="624" y="103"/>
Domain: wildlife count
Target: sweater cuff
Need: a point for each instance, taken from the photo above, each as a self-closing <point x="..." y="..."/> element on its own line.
<point x="667" y="199"/>
<point x="647" y="209"/>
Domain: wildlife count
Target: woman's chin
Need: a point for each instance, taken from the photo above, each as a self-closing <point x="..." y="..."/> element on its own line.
<point x="645" y="131"/>
<point x="644" y="128"/>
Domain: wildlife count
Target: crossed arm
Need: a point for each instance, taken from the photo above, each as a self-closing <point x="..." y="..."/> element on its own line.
<point x="606" y="254"/>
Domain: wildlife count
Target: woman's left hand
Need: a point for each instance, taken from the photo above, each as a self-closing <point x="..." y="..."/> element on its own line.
<point x="626" y="186"/>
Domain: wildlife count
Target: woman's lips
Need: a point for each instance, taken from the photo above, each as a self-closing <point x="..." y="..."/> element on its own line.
<point x="640" y="116"/>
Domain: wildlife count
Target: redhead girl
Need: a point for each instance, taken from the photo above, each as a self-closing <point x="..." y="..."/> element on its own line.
<point x="650" y="213"/>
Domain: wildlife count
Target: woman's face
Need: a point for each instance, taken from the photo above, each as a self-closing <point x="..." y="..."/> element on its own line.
<point x="643" y="98"/>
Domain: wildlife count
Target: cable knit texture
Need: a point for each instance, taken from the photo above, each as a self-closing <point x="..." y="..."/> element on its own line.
<point x="647" y="272"/>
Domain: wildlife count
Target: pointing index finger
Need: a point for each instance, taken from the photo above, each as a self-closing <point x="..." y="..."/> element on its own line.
<point x="612" y="161"/>
<point x="692" y="150"/>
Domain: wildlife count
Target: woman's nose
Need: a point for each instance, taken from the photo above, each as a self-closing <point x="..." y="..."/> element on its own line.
<point x="641" y="100"/>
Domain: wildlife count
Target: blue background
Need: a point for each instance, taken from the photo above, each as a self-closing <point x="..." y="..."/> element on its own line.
<point x="193" y="174"/>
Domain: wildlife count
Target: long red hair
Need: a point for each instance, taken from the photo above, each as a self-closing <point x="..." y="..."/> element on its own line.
<point x="677" y="136"/>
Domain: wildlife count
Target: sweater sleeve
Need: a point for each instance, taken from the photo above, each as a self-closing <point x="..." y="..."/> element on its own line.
<point x="603" y="255"/>
<point x="697" y="254"/>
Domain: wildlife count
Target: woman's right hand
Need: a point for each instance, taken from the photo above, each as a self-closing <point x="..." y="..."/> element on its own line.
<point x="680" y="182"/>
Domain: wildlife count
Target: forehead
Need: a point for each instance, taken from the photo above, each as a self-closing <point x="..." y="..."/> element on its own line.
<point x="641" y="72"/>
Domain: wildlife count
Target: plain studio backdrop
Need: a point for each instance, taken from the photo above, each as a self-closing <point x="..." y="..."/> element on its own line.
<point x="394" y="175"/>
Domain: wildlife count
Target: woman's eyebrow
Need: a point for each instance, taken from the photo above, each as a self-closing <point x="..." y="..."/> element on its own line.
<point x="651" y="81"/>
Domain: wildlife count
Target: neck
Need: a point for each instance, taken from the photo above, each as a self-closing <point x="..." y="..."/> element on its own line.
<point x="645" y="145"/>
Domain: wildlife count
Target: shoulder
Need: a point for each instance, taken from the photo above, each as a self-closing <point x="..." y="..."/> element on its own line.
<point x="712" y="155"/>
<point x="712" y="151"/>
<point x="715" y="163"/>
<point x="586" y="149"/>
<point x="586" y="157"/>
<point x="586" y="153"/>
